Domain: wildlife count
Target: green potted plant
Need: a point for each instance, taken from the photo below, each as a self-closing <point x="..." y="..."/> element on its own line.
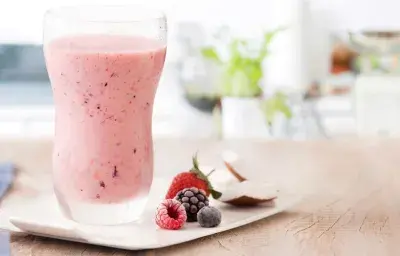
<point x="245" y="112"/>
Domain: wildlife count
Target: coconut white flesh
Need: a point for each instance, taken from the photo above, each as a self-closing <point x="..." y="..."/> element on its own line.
<point x="257" y="190"/>
<point x="224" y="182"/>
<point x="220" y="177"/>
<point x="230" y="156"/>
<point x="238" y="163"/>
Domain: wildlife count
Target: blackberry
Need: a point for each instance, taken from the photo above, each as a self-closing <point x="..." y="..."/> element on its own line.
<point x="193" y="199"/>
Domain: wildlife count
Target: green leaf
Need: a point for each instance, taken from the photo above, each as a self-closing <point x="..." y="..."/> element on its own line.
<point x="374" y="61"/>
<point x="243" y="70"/>
<point x="234" y="51"/>
<point x="274" y="105"/>
<point x="254" y="71"/>
<point x="238" y="84"/>
<point x="211" y="54"/>
<point x="268" y="37"/>
<point x="215" y="194"/>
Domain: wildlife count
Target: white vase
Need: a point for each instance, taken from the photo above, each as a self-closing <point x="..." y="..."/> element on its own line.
<point x="243" y="118"/>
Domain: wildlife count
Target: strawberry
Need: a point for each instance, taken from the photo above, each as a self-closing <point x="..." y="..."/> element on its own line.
<point x="192" y="178"/>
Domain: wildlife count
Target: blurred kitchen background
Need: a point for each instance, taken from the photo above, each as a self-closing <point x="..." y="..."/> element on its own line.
<point x="292" y="69"/>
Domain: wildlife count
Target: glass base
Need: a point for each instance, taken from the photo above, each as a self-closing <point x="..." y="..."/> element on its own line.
<point x="104" y="214"/>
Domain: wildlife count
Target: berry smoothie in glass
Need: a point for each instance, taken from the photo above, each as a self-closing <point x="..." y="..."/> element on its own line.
<point x="104" y="65"/>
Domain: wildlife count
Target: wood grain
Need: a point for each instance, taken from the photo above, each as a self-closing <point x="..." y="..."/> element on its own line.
<point x="351" y="193"/>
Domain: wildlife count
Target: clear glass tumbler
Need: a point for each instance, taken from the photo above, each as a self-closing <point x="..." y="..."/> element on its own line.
<point x="104" y="64"/>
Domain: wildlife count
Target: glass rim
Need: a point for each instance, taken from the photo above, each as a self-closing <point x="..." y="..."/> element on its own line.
<point x="70" y="13"/>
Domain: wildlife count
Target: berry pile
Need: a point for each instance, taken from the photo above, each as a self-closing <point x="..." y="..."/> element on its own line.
<point x="190" y="204"/>
<point x="187" y="200"/>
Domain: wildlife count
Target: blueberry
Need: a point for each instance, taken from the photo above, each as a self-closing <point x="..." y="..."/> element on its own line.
<point x="209" y="217"/>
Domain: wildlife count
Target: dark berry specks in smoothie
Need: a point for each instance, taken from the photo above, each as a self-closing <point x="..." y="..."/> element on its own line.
<point x="104" y="113"/>
<point x="107" y="118"/>
<point x="115" y="172"/>
<point x="102" y="184"/>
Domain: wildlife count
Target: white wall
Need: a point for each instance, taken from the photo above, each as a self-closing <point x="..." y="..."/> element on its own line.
<point x="21" y="21"/>
<point x="22" y="18"/>
<point x="361" y="14"/>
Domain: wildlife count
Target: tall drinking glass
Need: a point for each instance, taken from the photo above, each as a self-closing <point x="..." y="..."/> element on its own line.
<point x="104" y="64"/>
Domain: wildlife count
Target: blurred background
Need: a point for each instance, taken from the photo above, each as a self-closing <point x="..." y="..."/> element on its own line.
<point x="291" y="69"/>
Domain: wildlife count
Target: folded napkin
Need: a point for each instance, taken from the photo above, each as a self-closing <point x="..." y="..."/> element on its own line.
<point x="6" y="177"/>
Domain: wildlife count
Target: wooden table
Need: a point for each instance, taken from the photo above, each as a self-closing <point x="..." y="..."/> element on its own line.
<point x="351" y="195"/>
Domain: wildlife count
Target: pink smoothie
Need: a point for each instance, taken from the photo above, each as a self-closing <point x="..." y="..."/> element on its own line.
<point x="104" y="88"/>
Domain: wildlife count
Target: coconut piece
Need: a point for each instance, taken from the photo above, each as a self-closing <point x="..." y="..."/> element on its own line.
<point x="230" y="168"/>
<point x="247" y="201"/>
<point x="249" y="193"/>
<point x="245" y="192"/>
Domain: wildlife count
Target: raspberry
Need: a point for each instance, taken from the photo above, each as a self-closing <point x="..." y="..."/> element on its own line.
<point x="209" y="217"/>
<point x="170" y="214"/>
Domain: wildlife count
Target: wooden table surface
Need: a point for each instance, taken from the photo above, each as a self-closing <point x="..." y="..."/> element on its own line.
<point x="351" y="195"/>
